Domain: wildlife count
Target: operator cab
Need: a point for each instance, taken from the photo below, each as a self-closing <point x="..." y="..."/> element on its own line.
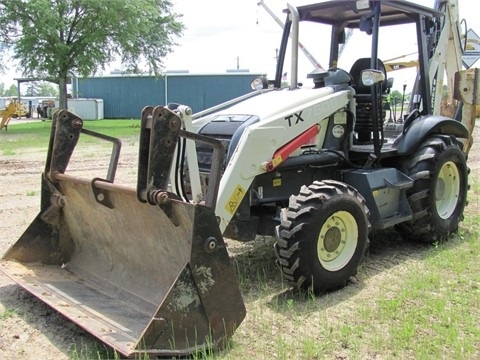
<point x="375" y="23"/>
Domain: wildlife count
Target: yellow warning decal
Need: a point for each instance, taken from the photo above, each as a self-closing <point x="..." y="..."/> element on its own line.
<point x="277" y="182"/>
<point x="235" y="199"/>
<point x="277" y="160"/>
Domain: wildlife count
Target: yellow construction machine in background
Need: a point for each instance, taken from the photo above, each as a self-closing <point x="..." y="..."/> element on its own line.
<point x="15" y="108"/>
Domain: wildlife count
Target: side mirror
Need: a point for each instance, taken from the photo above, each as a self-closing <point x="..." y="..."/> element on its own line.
<point x="371" y="77"/>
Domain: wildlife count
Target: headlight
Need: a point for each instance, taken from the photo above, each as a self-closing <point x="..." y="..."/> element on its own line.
<point x="363" y="4"/>
<point x="371" y="77"/>
<point x="259" y="83"/>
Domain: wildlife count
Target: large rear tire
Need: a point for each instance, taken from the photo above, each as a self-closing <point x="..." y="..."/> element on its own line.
<point x="323" y="236"/>
<point x="439" y="193"/>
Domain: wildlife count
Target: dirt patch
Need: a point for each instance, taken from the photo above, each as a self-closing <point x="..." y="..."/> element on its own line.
<point x="30" y="329"/>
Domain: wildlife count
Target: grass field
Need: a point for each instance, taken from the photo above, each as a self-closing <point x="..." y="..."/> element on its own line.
<point x="28" y="134"/>
<point x="409" y="300"/>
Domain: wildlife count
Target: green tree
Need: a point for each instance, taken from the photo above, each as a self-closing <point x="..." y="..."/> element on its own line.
<point x="11" y="91"/>
<point x="46" y="89"/>
<point x="2" y="89"/>
<point x="31" y="90"/>
<point x="396" y="94"/>
<point x="56" y="39"/>
<point x="40" y="88"/>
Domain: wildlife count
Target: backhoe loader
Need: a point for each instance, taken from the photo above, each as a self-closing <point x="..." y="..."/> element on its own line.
<point x="13" y="109"/>
<point x="146" y="270"/>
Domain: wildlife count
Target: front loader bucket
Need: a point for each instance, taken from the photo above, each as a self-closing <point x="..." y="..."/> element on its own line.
<point x="143" y="272"/>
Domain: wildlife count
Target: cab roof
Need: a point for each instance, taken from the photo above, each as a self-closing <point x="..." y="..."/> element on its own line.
<point x="344" y="12"/>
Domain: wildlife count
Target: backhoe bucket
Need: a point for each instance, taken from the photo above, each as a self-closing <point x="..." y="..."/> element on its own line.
<point x="140" y="269"/>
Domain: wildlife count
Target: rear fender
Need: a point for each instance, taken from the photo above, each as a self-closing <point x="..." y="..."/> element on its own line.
<point x="407" y="142"/>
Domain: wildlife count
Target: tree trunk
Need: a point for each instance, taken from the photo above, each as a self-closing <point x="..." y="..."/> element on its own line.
<point x="62" y="92"/>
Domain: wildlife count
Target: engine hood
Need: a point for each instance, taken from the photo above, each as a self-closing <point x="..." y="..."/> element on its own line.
<point x="268" y="104"/>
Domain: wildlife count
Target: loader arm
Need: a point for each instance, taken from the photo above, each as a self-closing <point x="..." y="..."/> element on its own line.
<point x="260" y="141"/>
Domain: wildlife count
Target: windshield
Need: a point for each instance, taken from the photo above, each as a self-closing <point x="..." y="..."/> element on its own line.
<point x="399" y="54"/>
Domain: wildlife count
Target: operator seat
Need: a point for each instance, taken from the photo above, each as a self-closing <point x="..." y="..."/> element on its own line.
<point x="364" y="123"/>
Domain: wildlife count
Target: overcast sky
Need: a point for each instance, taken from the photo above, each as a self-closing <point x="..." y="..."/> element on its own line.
<point x="224" y="34"/>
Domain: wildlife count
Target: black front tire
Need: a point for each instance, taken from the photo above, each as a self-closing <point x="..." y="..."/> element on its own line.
<point x="323" y="236"/>
<point x="439" y="194"/>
